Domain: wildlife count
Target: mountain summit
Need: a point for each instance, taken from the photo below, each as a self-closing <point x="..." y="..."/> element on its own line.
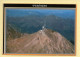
<point x="44" y="41"/>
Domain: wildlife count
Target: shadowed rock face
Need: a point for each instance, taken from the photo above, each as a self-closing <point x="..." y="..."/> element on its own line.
<point x="43" y="41"/>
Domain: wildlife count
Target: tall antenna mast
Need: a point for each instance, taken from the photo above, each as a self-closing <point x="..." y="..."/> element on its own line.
<point x="44" y="24"/>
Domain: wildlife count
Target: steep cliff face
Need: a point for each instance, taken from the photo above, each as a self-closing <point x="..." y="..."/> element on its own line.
<point x="43" y="41"/>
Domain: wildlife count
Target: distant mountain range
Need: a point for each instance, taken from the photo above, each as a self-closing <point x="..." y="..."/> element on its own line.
<point x="68" y="13"/>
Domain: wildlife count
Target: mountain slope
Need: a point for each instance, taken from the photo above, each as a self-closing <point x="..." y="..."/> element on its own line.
<point x="12" y="32"/>
<point x="43" y="41"/>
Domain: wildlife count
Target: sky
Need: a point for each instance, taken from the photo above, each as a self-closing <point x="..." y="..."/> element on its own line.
<point x="63" y="13"/>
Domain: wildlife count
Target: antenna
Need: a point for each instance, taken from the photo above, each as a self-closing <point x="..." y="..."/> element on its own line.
<point x="44" y="24"/>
